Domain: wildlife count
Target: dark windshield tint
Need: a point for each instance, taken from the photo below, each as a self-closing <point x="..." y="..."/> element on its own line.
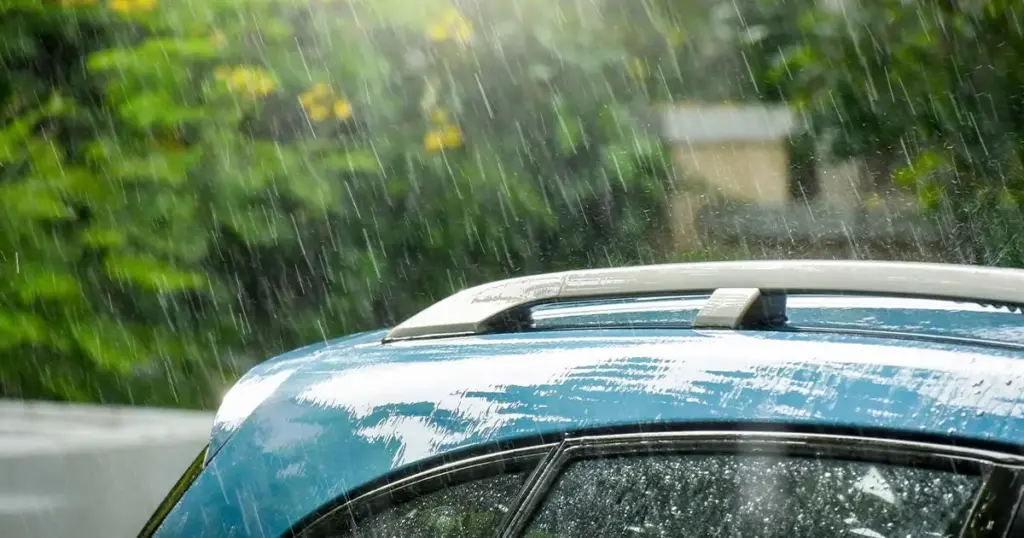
<point x="730" y="496"/>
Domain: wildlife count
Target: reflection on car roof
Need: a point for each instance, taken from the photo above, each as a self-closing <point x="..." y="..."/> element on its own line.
<point x="315" y="424"/>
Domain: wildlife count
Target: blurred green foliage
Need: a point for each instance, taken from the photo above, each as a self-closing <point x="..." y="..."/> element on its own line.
<point x="928" y="89"/>
<point x="187" y="187"/>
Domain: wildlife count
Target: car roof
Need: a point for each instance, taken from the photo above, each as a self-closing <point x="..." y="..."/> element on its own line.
<point x="307" y="427"/>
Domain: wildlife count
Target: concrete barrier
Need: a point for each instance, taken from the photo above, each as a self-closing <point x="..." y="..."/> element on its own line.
<point x="90" y="471"/>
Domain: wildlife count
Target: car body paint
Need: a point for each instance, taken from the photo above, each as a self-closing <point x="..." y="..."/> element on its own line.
<point x="311" y="426"/>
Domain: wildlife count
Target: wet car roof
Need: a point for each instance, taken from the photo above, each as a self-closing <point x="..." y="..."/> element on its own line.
<point x="300" y="430"/>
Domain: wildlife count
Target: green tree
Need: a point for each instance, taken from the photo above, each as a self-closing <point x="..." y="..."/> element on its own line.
<point x="194" y="181"/>
<point x="930" y="89"/>
<point x="78" y="296"/>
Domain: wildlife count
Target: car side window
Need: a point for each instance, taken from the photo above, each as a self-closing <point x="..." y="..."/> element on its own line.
<point x="469" y="509"/>
<point x="736" y="495"/>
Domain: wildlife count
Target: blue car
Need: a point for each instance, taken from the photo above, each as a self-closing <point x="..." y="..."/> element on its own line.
<point x="739" y="399"/>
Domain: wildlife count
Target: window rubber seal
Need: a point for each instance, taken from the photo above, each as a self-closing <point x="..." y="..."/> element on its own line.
<point x="177" y="491"/>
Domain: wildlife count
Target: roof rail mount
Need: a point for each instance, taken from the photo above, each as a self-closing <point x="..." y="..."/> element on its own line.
<point x="743" y="294"/>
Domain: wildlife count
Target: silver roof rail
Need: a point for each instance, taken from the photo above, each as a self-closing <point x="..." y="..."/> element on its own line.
<point x="743" y="293"/>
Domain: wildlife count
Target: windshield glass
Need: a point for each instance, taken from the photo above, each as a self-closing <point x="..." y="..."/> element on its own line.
<point x="187" y="188"/>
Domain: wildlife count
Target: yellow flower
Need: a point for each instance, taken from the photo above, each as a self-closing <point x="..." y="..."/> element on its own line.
<point x="318" y="113"/>
<point x="452" y="137"/>
<point x="255" y="81"/>
<point x="307" y="99"/>
<point x="459" y="24"/>
<point x="451" y="24"/>
<point x="448" y="136"/>
<point x="433" y="141"/>
<point x="319" y="103"/>
<point x="239" y="78"/>
<point x="124" y="6"/>
<point x="342" y="109"/>
<point x="438" y="32"/>
<point x="265" y="86"/>
<point x="222" y="72"/>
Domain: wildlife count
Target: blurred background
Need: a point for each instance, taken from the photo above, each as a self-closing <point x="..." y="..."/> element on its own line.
<point x="189" y="188"/>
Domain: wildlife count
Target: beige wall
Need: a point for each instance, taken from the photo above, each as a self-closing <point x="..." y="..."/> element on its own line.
<point x="754" y="171"/>
<point x="745" y="170"/>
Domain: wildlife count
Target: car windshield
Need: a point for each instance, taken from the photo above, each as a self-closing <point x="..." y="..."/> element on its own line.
<point x="188" y="188"/>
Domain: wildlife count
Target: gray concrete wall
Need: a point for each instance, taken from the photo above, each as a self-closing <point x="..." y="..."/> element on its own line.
<point x="90" y="471"/>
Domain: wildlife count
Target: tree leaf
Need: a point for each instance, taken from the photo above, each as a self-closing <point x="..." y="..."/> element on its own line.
<point x="19" y="328"/>
<point x="99" y="237"/>
<point x="33" y="201"/>
<point x="153" y="274"/>
<point x="155" y="109"/>
<point x="352" y="161"/>
<point x="36" y="282"/>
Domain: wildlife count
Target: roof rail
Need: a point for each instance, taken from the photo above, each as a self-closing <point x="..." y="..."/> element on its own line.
<point x="744" y="294"/>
